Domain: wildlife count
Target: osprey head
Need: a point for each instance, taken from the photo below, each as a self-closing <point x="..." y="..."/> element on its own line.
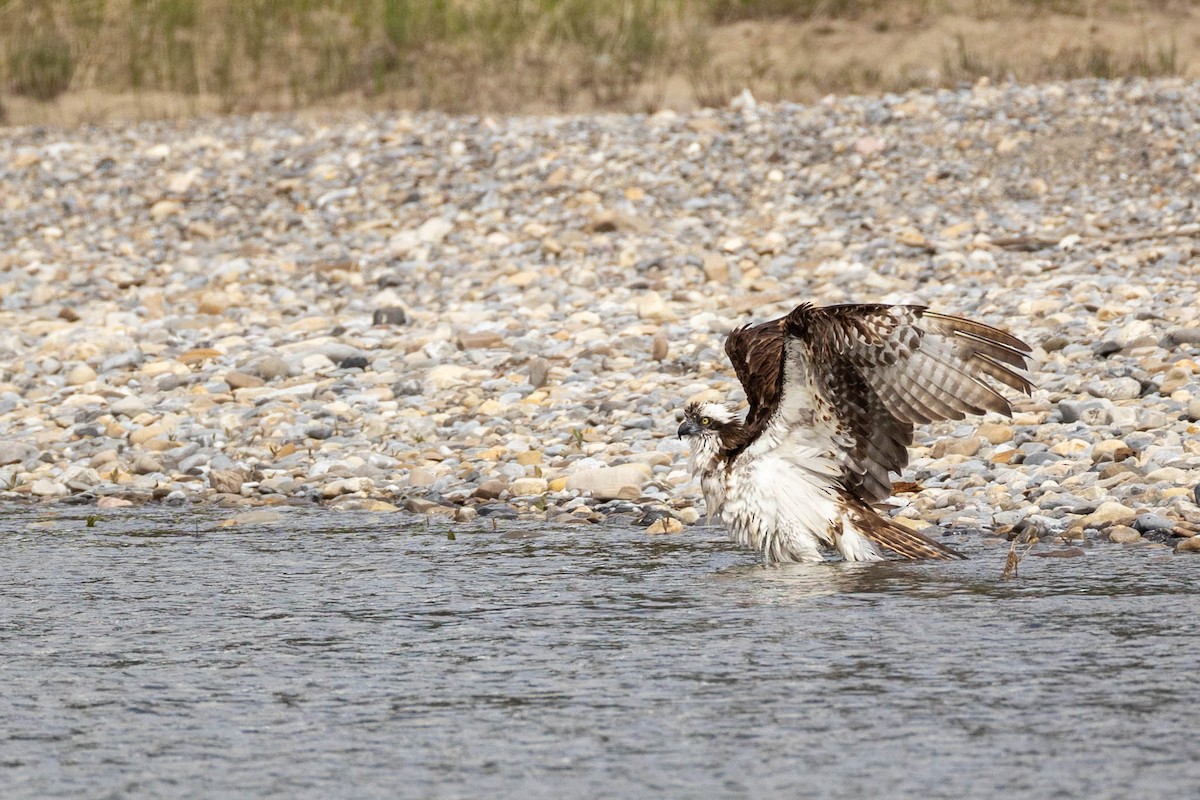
<point x="706" y="419"/>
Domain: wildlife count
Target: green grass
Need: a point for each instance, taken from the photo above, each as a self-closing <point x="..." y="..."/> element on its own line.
<point x="480" y="54"/>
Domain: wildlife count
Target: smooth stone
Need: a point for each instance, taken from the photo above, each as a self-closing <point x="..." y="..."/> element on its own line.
<point x="1174" y="379"/>
<point x="419" y="476"/>
<point x="471" y="341"/>
<point x="242" y="380"/>
<point x="1110" y="450"/>
<point x="257" y="517"/>
<point x="389" y="315"/>
<point x="113" y="502"/>
<point x="1184" y="336"/>
<point x="1109" y="513"/>
<point x="129" y="358"/>
<point x="1123" y="534"/>
<point x="490" y="489"/>
<point x="652" y="306"/>
<point x="142" y="435"/>
<point x="44" y="487"/>
<point x="270" y="368"/>
<point x="1189" y="545"/>
<point x="1168" y="475"/>
<point x="660" y="347"/>
<point x="349" y="503"/>
<point x="316" y="363"/>
<point x="434" y="230"/>
<point x="80" y="374"/>
<point x="539" y="372"/>
<point x="446" y="376"/>
<point x="522" y="487"/>
<point x="1116" y="389"/>
<point x="226" y="480"/>
<point x="146" y="464"/>
<point x="653" y="458"/>
<point x="347" y="486"/>
<point x="128" y="407"/>
<point x="622" y="482"/>
<point x="1090" y="412"/>
<point x="1152" y="522"/>
<point x="278" y="484"/>
<point x="421" y="505"/>
<point x="665" y="525"/>
<point x="17" y="452"/>
<point x="995" y="433"/>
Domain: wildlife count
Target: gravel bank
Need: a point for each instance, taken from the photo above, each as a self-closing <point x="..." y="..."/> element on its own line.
<point x="471" y="317"/>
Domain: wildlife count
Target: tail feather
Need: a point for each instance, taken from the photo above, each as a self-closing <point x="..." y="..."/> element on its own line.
<point x="896" y="538"/>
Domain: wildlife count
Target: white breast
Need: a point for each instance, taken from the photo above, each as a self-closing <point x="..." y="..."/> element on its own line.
<point x="710" y="471"/>
<point x="783" y="505"/>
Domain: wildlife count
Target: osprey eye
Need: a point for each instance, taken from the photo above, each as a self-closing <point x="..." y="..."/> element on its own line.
<point x="705" y="421"/>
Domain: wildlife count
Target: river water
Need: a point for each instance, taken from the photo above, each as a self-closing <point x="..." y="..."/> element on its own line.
<point x="334" y="655"/>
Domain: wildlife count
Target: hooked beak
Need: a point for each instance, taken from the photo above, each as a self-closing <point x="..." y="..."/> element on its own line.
<point x="688" y="428"/>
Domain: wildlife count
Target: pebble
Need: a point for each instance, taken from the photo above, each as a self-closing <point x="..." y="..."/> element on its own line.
<point x="435" y="332"/>
<point x="1123" y="534"/>
<point x="254" y="518"/>
<point x="16" y="452"/>
<point x="611" y="483"/>
<point x="242" y="380"/>
<point x="1189" y="545"/>
<point x="80" y="374"/>
<point x="1115" y="389"/>
<point x="1147" y="522"/>
<point x="995" y="433"/>
<point x="1109" y="513"/>
<point x="665" y="525"/>
<point x="528" y="486"/>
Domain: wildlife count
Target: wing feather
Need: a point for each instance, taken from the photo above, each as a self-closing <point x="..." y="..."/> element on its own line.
<point x="858" y="377"/>
<point x="920" y="366"/>
<point x="988" y="366"/>
<point x="947" y="385"/>
<point x="757" y="353"/>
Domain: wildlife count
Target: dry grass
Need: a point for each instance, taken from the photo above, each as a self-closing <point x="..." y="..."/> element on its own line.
<point x="537" y="55"/>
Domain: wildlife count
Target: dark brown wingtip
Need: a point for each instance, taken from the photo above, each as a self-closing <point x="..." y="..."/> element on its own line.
<point x="979" y="330"/>
<point x="797" y="321"/>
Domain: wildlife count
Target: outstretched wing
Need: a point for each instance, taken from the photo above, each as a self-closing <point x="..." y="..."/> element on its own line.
<point x="757" y="355"/>
<point x="867" y="373"/>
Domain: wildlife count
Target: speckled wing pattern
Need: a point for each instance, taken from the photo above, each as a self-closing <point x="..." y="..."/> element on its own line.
<point x="879" y="370"/>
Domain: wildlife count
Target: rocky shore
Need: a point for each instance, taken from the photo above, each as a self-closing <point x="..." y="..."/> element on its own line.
<point x="502" y="317"/>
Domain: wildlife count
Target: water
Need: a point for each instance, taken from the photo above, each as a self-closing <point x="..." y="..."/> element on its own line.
<point x="335" y="655"/>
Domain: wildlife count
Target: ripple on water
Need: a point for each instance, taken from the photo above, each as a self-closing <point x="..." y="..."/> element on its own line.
<point x="150" y="655"/>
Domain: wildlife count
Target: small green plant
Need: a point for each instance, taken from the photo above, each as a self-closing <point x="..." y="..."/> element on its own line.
<point x="91" y="520"/>
<point x="41" y="66"/>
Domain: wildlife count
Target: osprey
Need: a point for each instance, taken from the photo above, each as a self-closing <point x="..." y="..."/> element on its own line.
<point x="834" y="393"/>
